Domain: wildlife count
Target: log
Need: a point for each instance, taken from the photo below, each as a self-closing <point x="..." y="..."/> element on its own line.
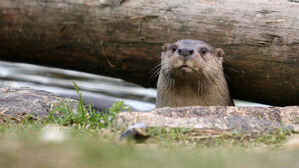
<point x="122" y="38"/>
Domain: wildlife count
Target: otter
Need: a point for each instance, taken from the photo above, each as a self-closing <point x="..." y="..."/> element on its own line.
<point x="191" y="73"/>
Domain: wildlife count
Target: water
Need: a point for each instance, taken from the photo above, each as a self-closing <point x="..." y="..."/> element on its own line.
<point x="61" y="81"/>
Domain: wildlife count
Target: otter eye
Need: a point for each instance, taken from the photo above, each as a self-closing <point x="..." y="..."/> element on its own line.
<point x="174" y="48"/>
<point x="203" y="51"/>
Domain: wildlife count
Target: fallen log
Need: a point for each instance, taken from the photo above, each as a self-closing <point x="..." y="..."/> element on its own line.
<point x="123" y="38"/>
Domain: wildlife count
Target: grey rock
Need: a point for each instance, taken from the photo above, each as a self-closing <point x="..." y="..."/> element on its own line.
<point x="224" y="118"/>
<point x="38" y="103"/>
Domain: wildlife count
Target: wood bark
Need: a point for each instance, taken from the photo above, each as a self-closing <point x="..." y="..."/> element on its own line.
<point x="122" y="38"/>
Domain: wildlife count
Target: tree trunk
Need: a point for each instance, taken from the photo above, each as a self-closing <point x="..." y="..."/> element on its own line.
<point x="122" y="38"/>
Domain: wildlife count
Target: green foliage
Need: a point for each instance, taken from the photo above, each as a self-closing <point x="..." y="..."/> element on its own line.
<point x="86" y="116"/>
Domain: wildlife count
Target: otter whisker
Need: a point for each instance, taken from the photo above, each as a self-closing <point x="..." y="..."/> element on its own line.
<point x="154" y="74"/>
<point x="217" y="70"/>
<point x="155" y="71"/>
<point x="156" y="66"/>
<point x="170" y="80"/>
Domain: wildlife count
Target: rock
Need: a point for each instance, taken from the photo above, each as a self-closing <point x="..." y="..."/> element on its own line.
<point x="233" y="119"/>
<point x="136" y="132"/>
<point x="16" y="102"/>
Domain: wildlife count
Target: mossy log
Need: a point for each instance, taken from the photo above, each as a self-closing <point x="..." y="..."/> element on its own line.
<point x="122" y="38"/>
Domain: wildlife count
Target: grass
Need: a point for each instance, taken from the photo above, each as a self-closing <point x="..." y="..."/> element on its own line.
<point x="90" y="139"/>
<point x="196" y="138"/>
<point x="86" y="116"/>
<point x="23" y="146"/>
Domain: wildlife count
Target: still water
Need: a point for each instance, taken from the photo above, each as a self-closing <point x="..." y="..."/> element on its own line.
<point x="60" y="81"/>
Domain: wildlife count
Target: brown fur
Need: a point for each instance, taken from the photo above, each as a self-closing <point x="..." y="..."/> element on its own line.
<point x="194" y="80"/>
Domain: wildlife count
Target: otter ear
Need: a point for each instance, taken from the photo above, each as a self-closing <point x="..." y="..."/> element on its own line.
<point x="219" y="52"/>
<point x="165" y="47"/>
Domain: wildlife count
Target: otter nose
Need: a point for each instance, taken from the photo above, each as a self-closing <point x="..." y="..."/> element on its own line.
<point x="185" y="52"/>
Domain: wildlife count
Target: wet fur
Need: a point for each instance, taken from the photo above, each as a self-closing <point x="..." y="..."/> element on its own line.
<point x="204" y="85"/>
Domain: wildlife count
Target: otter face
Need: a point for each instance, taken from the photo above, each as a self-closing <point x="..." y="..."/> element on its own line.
<point x="191" y="58"/>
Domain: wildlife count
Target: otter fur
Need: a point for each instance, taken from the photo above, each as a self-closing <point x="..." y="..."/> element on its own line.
<point x="191" y="74"/>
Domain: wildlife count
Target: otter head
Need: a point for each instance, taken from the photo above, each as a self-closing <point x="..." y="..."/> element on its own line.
<point x="191" y="59"/>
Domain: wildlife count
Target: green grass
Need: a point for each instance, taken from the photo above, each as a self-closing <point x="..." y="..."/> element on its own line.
<point x="86" y="116"/>
<point x="193" y="137"/>
<point x="23" y="146"/>
<point x="91" y="139"/>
